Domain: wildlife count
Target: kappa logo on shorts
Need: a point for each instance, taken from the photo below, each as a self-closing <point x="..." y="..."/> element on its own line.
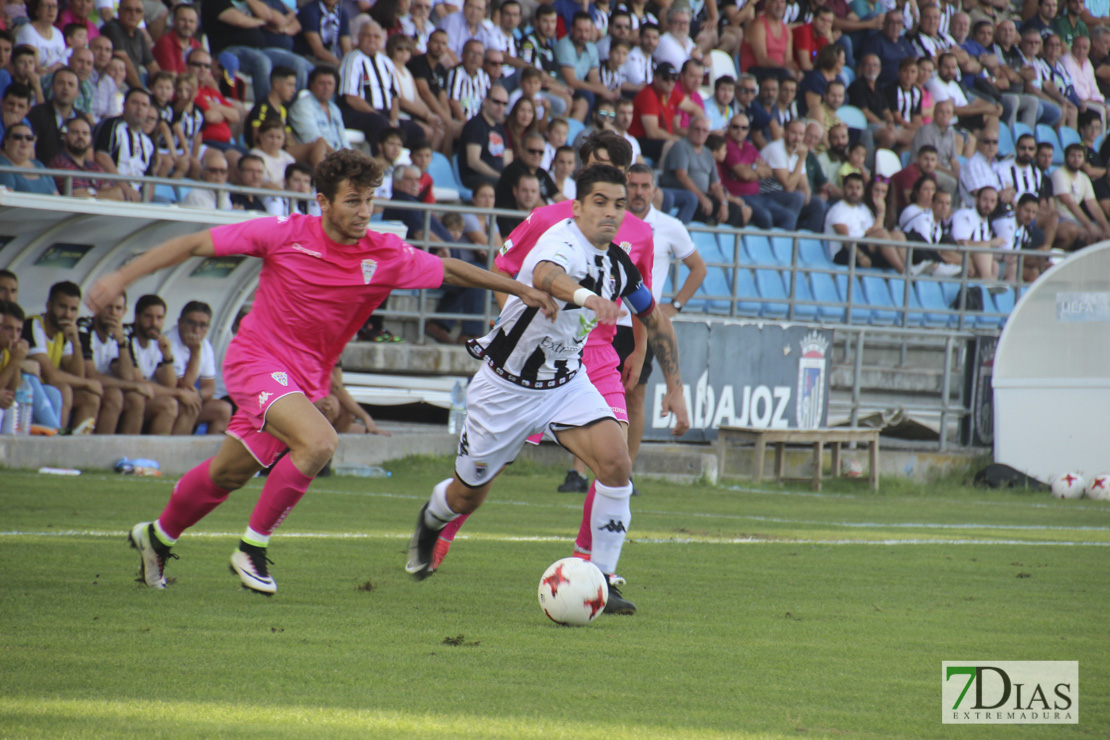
<point x="262" y="397"/>
<point x="369" y="267"/>
<point x="281" y="378"/>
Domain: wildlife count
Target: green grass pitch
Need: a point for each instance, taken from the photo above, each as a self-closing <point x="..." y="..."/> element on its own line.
<point x="763" y="613"/>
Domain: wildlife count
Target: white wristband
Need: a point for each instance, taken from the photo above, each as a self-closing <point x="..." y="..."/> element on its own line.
<point x="582" y="295"/>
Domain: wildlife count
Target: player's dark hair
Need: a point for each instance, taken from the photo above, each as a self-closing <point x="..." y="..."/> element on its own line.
<point x="9" y="274"/>
<point x="362" y="172"/>
<point x="11" y="308"/>
<point x="195" y="307"/>
<point x="64" y="288"/>
<point x="618" y="148"/>
<point x="597" y="174"/>
<point x="146" y="302"/>
<point x="641" y="169"/>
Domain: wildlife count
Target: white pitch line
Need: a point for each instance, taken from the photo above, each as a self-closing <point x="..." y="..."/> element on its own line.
<point x="684" y="540"/>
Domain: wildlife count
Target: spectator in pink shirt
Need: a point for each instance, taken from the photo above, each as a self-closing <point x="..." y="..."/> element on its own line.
<point x="1078" y="64"/>
<point x="79" y="11"/>
<point x="685" y="98"/>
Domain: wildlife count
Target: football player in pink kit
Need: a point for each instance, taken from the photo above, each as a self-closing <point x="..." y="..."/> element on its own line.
<point x="322" y="277"/>
<point x="599" y="355"/>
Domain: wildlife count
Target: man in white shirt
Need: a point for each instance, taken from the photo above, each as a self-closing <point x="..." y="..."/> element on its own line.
<point x="851" y="217"/>
<point x="214" y="169"/>
<point x="125" y="395"/>
<point x="625" y="111"/>
<point x="676" y="46"/>
<point x="639" y="67"/>
<point x="194" y="364"/>
<point x="973" y="113"/>
<point x="153" y="358"/>
<point x="672" y="241"/>
<point x="506" y="39"/>
<point x="466" y="24"/>
<point x="787" y="160"/>
<point x="971" y="227"/>
<point x="1075" y="197"/>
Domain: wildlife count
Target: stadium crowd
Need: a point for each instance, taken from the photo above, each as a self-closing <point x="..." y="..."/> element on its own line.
<point x="881" y="119"/>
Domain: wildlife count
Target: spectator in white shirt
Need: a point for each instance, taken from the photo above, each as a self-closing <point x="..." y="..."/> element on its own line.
<point x="1075" y="196"/>
<point x="676" y="46"/>
<point x="194" y="362"/>
<point x="214" y="169"/>
<point x="971" y="227"/>
<point x="854" y="218"/>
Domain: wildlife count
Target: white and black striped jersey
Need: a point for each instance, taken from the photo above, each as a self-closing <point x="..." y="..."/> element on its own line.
<point x="101" y="353"/>
<point x="469" y="91"/>
<point x="508" y="45"/>
<point x="527" y="349"/>
<point x="610" y="78"/>
<point x="540" y="55"/>
<point x="968" y="225"/>
<point x="917" y="220"/>
<point x="132" y="151"/>
<point x="932" y="46"/>
<point x="639" y="20"/>
<point x="947" y="10"/>
<point x="785" y="115"/>
<point x="192" y="121"/>
<point x="369" y="78"/>
<point x="1023" y="180"/>
<point x="905" y="102"/>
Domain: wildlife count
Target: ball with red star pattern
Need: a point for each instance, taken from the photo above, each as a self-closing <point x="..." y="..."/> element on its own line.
<point x="573" y="592"/>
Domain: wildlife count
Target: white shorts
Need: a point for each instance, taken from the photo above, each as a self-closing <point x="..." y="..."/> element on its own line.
<point x="501" y="415"/>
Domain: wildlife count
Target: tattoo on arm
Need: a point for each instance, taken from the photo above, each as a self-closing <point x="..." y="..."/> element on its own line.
<point x="550" y="275"/>
<point x="666" y="353"/>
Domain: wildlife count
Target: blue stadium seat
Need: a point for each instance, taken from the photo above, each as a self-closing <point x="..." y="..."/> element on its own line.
<point x="905" y="158"/>
<point x="860" y="313"/>
<point x="847" y="76"/>
<point x="876" y="295"/>
<point x="769" y="285"/>
<point x="1047" y="134"/>
<point x="748" y="300"/>
<point x="164" y="194"/>
<point x="951" y="292"/>
<point x="668" y="286"/>
<point x="697" y="302"/>
<point x="442" y="175"/>
<point x="852" y="117"/>
<point x="729" y="244"/>
<point x="783" y="249"/>
<point x="707" y="246"/>
<point x="812" y="253"/>
<point x="931" y="298"/>
<point x="1004" y="302"/>
<point x="574" y="127"/>
<point x="1068" y="136"/>
<point x="1005" y="142"/>
<point x="759" y="250"/>
<point x="824" y="290"/>
<point x="464" y="192"/>
<point x="802" y="293"/>
<point x="1020" y="129"/>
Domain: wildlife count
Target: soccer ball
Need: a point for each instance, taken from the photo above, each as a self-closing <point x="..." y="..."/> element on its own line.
<point x="851" y="469"/>
<point x="1068" y="485"/>
<point x="1098" y="488"/>
<point x="573" y="592"/>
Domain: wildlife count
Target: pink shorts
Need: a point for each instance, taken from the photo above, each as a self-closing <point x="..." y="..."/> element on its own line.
<point x="254" y="383"/>
<point x="601" y="365"/>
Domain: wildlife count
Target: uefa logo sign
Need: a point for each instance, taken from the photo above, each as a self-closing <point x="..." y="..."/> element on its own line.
<point x="1010" y="692"/>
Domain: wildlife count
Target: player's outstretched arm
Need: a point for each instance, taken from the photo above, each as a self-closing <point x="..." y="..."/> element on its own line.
<point x="457" y="272"/>
<point x="167" y="254"/>
<point x="552" y="278"/>
<point x="664" y="344"/>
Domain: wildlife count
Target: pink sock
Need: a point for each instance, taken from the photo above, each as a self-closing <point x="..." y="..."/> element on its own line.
<point x="193" y="497"/>
<point x="283" y="489"/>
<point x="448" y="533"/>
<point x="585" y="539"/>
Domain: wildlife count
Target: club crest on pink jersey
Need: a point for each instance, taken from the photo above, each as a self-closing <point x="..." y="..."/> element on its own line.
<point x="369" y="267"/>
<point x="281" y="378"/>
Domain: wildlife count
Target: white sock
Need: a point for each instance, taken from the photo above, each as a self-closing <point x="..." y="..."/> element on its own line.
<point x="609" y="520"/>
<point x="439" y="514"/>
<point x="256" y="538"/>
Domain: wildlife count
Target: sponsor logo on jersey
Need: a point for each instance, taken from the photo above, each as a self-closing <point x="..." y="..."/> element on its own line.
<point x="506" y="246"/>
<point x="369" y="267"/>
<point x="263" y="397"/>
<point x="585" y="326"/>
<point x="310" y="252"/>
<point x="281" y="378"/>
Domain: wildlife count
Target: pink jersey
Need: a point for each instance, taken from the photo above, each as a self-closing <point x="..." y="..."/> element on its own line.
<point x="634" y="236"/>
<point x="314" y="294"/>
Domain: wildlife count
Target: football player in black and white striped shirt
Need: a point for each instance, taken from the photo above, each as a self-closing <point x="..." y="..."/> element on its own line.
<point x="532" y="380"/>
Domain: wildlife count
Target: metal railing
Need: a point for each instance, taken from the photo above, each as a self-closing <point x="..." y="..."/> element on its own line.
<point x="962" y="322"/>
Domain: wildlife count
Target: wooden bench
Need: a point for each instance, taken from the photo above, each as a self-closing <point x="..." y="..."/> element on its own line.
<point x="728" y="437"/>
